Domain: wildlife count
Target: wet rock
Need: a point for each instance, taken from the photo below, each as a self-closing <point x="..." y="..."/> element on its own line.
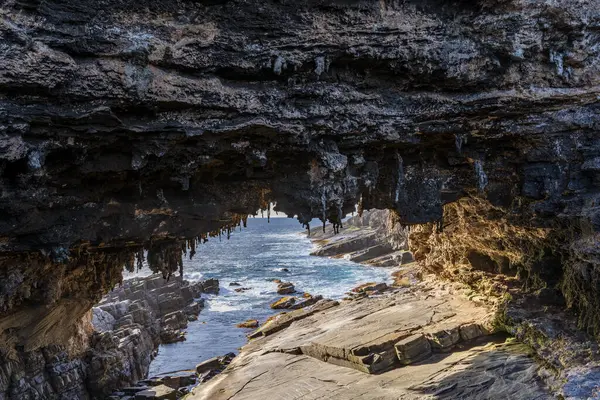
<point x="210" y="286"/>
<point x="283" y="303"/>
<point x="285" y="288"/>
<point x="235" y="284"/>
<point x="241" y="290"/>
<point x="251" y="323"/>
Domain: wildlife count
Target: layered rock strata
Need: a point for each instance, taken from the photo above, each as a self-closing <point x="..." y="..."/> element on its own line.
<point x="115" y="345"/>
<point x="144" y="126"/>
<point x="131" y="322"/>
<point x="411" y="344"/>
<point x="536" y="318"/>
<point x="374" y="237"/>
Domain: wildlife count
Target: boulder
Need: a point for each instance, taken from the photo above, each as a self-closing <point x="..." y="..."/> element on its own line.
<point x="286" y="288"/>
<point x="160" y="392"/>
<point x="213" y="365"/>
<point x="407" y="258"/>
<point x="211" y="286"/>
<point x="251" y="323"/>
<point x="234" y="284"/>
<point x="241" y="290"/>
<point x="206" y="366"/>
<point x="102" y="321"/>
<point x="178" y="381"/>
<point x="470" y="332"/>
<point x="283" y="303"/>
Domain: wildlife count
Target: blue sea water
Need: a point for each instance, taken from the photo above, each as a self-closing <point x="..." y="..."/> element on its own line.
<point x="253" y="257"/>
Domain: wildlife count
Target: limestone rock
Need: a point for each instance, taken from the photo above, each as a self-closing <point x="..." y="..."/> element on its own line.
<point x="470" y="332"/>
<point x="370" y="287"/>
<point x="285" y="288"/>
<point x="444" y="339"/>
<point x="369" y="350"/>
<point x="305" y="302"/>
<point x="285" y="319"/>
<point x="251" y="323"/>
<point x="413" y="349"/>
<point x="160" y="392"/>
<point x="283" y="303"/>
<point x="211" y="363"/>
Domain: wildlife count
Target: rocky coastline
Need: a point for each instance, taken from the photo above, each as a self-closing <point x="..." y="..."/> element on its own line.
<point x="119" y="338"/>
<point x="131" y="130"/>
<point x="133" y="320"/>
<point x="419" y="338"/>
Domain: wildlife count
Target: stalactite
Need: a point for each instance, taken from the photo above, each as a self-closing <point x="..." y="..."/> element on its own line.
<point x="324" y="208"/>
<point x="459" y="141"/>
<point x="400" y="180"/>
<point x="360" y="206"/>
<point x="193" y="245"/>
<point x="140" y="259"/>
<point x="482" y="179"/>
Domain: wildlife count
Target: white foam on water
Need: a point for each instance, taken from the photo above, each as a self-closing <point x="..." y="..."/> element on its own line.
<point x="253" y="258"/>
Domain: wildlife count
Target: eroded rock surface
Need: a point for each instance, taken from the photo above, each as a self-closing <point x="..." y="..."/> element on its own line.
<point x="145" y="313"/>
<point x="142" y="127"/>
<point x="375" y="237"/>
<point x="114" y="344"/>
<point x="408" y="345"/>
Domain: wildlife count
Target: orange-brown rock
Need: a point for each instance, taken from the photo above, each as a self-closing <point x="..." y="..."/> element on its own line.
<point x="251" y="323"/>
<point x="283" y="303"/>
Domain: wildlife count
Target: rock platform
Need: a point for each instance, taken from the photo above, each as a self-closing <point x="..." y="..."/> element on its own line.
<point x="422" y="342"/>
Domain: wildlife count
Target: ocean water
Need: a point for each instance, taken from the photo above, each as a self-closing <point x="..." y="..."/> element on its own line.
<point x="253" y="257"/>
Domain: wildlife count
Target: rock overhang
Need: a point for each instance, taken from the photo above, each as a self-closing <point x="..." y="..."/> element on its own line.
<point x="124" y="128"/>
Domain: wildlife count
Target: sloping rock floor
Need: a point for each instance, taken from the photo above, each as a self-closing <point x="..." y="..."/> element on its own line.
<point x="367" y="239"/>
<point x="414" y="343"/>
